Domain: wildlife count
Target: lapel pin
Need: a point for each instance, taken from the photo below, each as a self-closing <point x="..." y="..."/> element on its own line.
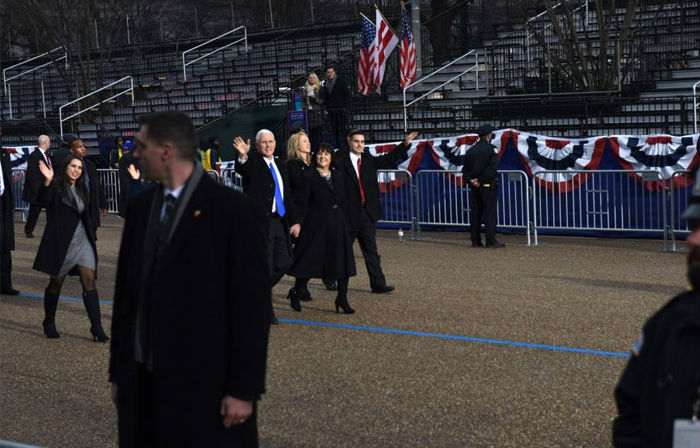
<point x="197" y="213"/>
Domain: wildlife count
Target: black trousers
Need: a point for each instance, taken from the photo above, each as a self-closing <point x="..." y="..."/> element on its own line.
<point x="483" y="206"/>
<point x="337" y="120"/>
<point x="5" y="257"/>
<point x="366" y="235"/>
<point x="279" y="254"/>
<point x="32" y="218"/>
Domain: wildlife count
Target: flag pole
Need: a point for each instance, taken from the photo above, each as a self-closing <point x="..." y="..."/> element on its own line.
<point x="386" y="21"/>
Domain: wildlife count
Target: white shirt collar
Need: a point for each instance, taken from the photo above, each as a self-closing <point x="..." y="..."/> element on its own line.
<point x="176" y="192"/>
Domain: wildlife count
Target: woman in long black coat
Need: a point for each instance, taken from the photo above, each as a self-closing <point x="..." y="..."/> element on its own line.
<point x="324" y="249"/>
<point x="68" y="244"/>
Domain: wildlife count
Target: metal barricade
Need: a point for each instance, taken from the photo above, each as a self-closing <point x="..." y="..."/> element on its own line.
<point x="230" y="178"/>
<point x="601" y="201"/>
<point x="443" y="200"/>
<point x="678" y="200"/>
<point x="397" y="190"/>
<point x="18" y="177"/>
<point x="214" y="175"/>
<point x="109" y="179"/>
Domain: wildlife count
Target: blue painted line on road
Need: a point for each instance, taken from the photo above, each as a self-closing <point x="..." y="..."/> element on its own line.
<point x="460" y="338"/>
<point x="67" y="299"/>
<point x="415" y="333"/>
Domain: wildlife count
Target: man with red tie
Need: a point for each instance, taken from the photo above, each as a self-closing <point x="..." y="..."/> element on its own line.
<point x="365" y="205"/>
<point x="33" y="181"/>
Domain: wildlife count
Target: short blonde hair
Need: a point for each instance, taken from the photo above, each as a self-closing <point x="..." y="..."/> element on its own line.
<point x="317" y="83"/>
<point x="293" y="146"/>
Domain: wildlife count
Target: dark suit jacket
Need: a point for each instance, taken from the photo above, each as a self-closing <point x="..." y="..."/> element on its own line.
<point x="33" y="179"/>
<point x="370" y="164"/>
<point x="336" y="98"/>
<point x="7" y="202"/>
<point x="62" y="217"/>
<point x="259" y="184"/>
<point x="481" y="162"/>
<point x="209" y="316"/>
<point x="98" y="200"/>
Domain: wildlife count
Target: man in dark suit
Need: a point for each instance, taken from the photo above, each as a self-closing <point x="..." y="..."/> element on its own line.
<point x="33" y="181"/>
<point x="267" y="183"/>
<point x="365" y="203"/>
<point x="98" y="200"/>
<point x="188" y="357"/>
<point x="7" y="227"/>
<point x="335" y="96"/>
<point x="480" y="169"/>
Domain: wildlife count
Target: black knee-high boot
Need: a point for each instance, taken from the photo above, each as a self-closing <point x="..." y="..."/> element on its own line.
<point x="50" y="305"/>
<point x="92" y="306"/>
<point x="341" y="301"/>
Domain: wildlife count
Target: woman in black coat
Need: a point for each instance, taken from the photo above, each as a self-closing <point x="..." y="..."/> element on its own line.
<point x="324" y="249"/>
<point x="68" y="244"/>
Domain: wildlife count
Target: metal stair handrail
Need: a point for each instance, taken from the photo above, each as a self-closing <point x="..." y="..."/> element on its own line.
<point x="130" y="89"/>
<point x="6" y="81"/>
<point x="695" y="106"/>
<point x="473" y="67"/>
<point x="244" y="39"/>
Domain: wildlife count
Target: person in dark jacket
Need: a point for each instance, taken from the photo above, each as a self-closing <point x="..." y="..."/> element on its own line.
<point x="125" y="178"/>
<point x="68" y="244"/>
<point x="480" y="170"/>
<point x="210" y="156"/>
<point x="324" y="249"/>
<point x="188" y="358"/>
<point x="661" y="383"/>
<point x="33" y="181"/>
<point x="7" y="226"/>
<point x="335" y="95"/>
<point x="365" y="207"/>
<point x="97" y="199"/>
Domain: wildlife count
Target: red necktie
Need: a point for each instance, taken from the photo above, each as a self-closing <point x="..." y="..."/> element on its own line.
<point x="359" y="180"/>
<point x="48" y="160"/>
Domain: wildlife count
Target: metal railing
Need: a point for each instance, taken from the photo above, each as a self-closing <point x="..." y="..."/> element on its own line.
<point x="130" y="89"/>
<point x="397" y="199"/>
<point x="695" y="106"/>
<point x="443" y="200"/>
<point x="185" y="64"/>
<point x="109" y="179"/>
<point x="678" y="197"/>
<point x="602" y="200"/>
<point x="6" y="81"/>
<point x="230" y="178"/>
<point x="474" y="68"/>
<point x="18" y="177"/>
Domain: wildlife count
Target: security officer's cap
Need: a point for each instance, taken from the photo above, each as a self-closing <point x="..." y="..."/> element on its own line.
<point x="484" y="129"/>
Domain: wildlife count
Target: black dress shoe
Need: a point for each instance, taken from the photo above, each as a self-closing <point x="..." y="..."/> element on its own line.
<point x="382" y="289"/>
<point x="477" y="244"/>
<point x="9" y="292"/>
<point x="496" y="244"/>
<point x="331" y="286"/>
<point x="274" y="321"/>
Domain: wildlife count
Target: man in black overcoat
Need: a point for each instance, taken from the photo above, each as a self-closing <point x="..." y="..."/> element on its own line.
<point x="97" y="199"/>
<point x="335" y="96"/>
<point x="7" y="227"/>
<point x="267" y="183"/>
<point x="33" y="181"/>
<point x="365" y="207"/>
<point x="188" y="356"/>
<point x="480" y="170"/>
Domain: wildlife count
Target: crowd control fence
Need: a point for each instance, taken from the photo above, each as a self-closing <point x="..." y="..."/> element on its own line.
<point x="577" y="202"/>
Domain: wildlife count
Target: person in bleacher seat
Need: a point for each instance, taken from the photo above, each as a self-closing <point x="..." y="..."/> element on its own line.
<point x="335" y="96"/>
<point x="97" y="201"/>
<point x="126" y="160"/>
<point x="210" y="156"/>
<point x="315" y="114"/>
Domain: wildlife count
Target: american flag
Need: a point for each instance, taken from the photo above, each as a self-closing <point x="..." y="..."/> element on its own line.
<point x="408" y="52"/>
<point x="365" y="70"/>
<point x="384" y="44"/>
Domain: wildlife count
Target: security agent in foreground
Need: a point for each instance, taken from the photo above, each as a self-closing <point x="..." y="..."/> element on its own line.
<point x="659" y="391"/>
<point x="480" y="170"/>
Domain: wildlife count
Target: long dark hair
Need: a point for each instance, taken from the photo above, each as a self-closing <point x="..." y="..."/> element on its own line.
<point x="61" y="179"/>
